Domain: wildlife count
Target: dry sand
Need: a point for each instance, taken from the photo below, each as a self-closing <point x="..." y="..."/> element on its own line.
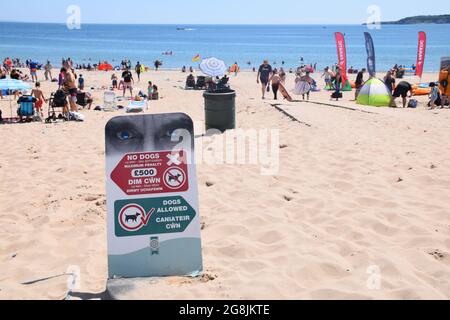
<point x="355" y="189"/>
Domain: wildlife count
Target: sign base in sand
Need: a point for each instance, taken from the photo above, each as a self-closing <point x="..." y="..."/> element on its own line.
<point x="152" y="200"/>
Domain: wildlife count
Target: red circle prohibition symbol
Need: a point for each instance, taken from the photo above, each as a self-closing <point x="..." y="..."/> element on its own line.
<point x="175" y="178"/>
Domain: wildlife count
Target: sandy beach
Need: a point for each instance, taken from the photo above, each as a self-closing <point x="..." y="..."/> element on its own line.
<point x="358" y="189"/>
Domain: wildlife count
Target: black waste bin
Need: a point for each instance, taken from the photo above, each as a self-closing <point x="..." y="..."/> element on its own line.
<point x="220" y="110"/>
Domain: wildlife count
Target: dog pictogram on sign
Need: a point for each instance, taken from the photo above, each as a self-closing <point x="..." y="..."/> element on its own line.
<point x="133" y="217"/>
<point x="174" y="178"/>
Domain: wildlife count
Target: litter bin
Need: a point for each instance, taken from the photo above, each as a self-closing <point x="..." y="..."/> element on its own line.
<point x="220" y="110"/>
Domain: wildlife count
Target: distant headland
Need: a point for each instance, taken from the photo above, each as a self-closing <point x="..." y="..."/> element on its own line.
<point x="437" y="19"/>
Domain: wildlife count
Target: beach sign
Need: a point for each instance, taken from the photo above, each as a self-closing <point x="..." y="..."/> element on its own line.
<point x="153" y="221"/>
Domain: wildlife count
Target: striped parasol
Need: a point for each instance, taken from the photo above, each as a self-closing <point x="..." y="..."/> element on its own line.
<point x="213" y="67"/>
<point x="374" y="93"/>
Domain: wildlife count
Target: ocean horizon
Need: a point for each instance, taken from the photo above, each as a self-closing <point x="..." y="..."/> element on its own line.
<point x="244" y="43"/>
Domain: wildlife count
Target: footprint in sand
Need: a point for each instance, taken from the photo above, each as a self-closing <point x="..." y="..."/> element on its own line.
<point x="437" y="254"/>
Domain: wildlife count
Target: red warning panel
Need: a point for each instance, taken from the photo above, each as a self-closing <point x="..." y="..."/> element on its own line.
<point x="152" y="172"/>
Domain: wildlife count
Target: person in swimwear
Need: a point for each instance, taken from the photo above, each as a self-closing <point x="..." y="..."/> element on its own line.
<point x="39" y="95"/>
<point x="70" y="87"/>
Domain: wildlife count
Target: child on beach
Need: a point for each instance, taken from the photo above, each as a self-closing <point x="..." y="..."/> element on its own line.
<point x="327" y="75"/>
<point x="39" y="95"/>
<point x="81" y="82"/>
<point x="114" y="81"/>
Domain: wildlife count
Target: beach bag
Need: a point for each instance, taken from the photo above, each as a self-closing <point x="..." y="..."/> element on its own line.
<point x="412" y="103"/>
<point x="336" y="95"/>
<point x="75" y="116"/>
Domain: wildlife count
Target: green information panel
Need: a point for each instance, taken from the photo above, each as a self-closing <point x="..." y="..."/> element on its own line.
<point x="152" y="216"/>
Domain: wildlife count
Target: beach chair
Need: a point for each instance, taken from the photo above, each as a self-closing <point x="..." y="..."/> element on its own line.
<point x="136" y="106"/>
<point x="190" y="82"/>
<point x="82" y="101"/>
<point x="26" y="109"/>
<point x="201" y="83"/>
<point x="109" y="101"/>
<point x="58" y="105"/>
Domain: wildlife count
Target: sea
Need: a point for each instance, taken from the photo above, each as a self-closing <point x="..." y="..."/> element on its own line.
<point x="248" y="45"/>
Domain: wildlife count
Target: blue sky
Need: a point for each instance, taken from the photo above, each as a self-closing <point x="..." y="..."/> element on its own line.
<point x="219" y="12"/>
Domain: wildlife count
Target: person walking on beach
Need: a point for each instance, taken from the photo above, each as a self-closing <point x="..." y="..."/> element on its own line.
<point x="265" y="72"/>
<point x="48" y="71"/>
<point x="359" y="83"/>
<point x="402" y="90"/>
<point x="138" y="71"/>
<point x="40" y="98"/>
<point x="33" y="71"/>
<point x="127" y="82"/>
<point x="275" y="80"/>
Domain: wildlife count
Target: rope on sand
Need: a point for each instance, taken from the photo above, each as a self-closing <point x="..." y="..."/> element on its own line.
<point x="337" y="106"/>
<point x="276" y="106"/>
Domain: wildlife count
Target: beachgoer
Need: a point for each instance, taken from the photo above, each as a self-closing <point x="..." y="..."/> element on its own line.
<point x="389" y="81"/>
<point x="264" y="74"/>
<point x="138" y="70"/>
<point x="434" y="95"/>
<point x="359" y="83"/>
<point x="61" y="78"/>
<point x="307" y="79"/>
<point x="275" y="80"/>
<point x="40" y="98"/>
<point x="282" y="76"/>
<point x="127" y="82"/>
<point x="88" y="98"/>
<point x="33" y="71"/>
<point x="48" y="71"/>
<point x="71" y="88"/>
<point x="114" y="81"/>
<point x="327" y="75"/>
<point x="402" y="90"/>
<point x="155" y="94"/>
<point x="81" y="82"/>
<point x="150" y="90"/>
<point x="337" y="83"/>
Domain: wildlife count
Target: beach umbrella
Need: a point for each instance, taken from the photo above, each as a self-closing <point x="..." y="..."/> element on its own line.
<point x="105" y="67"/>
<point x="13" y="85"/>
<point x="374" y="93"/>
<point x="213" y="67"/>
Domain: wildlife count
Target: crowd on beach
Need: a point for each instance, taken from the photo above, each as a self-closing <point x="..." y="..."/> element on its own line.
<point x="72" y="83"/>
